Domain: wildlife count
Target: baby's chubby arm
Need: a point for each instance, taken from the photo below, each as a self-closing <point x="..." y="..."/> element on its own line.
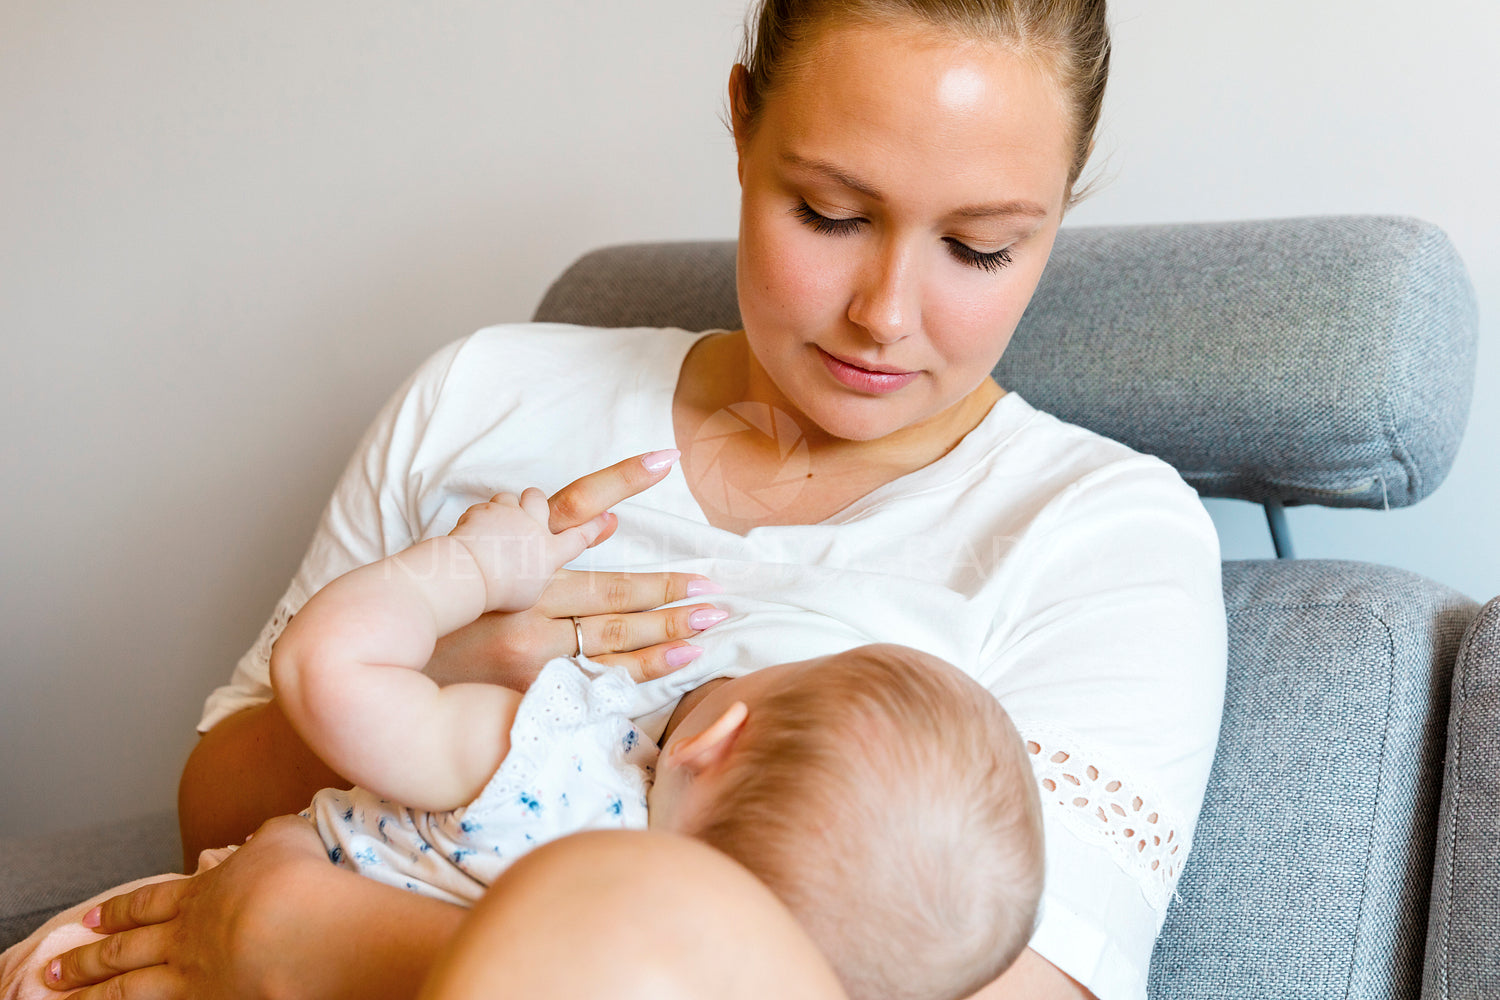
<point x="348" y="669"/>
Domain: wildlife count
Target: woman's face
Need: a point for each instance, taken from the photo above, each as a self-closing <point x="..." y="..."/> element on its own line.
<point x="900" y="195"/>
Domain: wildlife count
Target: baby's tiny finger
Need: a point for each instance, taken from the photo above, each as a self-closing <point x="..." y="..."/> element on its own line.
<point x="534" y="502"/>
<point x="570" y="543"/>
<point x="592" y="531"/>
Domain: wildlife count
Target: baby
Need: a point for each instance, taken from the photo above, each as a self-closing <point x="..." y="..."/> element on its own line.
<point x="882" y="794"/>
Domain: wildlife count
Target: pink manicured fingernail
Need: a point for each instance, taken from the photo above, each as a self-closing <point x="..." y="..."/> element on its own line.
<point x="706" y="618"/>
<point x="679" y="655"/>
<point x="699" y="586"/>
<point x="659" y="460"/>
<point x="54" y="970"/>
<point x="91" y="918"/>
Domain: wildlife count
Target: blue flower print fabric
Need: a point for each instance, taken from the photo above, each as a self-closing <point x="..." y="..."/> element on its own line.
<point x="576" y="762"/>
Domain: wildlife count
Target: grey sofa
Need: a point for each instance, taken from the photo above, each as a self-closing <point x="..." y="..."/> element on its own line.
<point x="1348" y="846"/>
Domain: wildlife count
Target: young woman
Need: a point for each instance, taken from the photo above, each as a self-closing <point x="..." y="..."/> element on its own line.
<point x="905" y="166"/>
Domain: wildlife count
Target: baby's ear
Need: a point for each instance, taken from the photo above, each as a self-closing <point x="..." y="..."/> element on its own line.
<point x="704" y="750"/>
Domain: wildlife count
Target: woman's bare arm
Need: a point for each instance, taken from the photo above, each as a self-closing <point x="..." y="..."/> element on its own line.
<point x="1032" y="977"/>
<point x="248" y="768"/>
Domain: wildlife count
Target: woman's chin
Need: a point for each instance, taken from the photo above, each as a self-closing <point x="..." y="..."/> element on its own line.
<point x="862" y="424"/>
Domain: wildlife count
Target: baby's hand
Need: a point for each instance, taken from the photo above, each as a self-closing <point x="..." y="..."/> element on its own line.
<point x="517" y="554"/>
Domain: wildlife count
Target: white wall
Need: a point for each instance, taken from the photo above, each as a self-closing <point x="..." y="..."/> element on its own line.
<point x="228" y="230"/>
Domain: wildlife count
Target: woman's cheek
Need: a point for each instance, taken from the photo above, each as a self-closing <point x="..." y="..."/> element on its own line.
<point x="810" y="272"/>
<point x="989" y="306"/>
<point x="962" y="323"/>
<point x="798" y="276"/>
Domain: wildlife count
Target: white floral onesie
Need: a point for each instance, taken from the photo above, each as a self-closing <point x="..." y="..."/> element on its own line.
<point x="576" y="763"/>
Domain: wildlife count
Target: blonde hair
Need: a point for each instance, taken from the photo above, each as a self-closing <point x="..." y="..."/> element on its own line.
<point x="888" y="801"/>
<point x="1070" y="38"/>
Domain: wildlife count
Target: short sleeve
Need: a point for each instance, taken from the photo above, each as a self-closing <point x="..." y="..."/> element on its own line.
<point x="369" y="516"/>
<point x="1111" y="660"/>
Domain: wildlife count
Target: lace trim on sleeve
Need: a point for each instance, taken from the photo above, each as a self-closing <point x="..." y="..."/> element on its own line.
<point x="260" y="654"/>
<point x="1100" y="804"/>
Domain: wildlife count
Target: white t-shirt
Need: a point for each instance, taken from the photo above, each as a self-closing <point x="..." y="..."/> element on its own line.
<point x="1076" y="579"/>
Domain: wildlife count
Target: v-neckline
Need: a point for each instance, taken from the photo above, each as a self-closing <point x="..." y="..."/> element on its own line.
<point x="656" y="414"/>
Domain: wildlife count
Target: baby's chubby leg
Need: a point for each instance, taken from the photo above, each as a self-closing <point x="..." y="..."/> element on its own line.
<point x="24" y="964"/>
<point x="631" y="915"/>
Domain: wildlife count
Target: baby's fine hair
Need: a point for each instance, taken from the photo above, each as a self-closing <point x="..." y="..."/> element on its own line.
<point x="887" y="799"/>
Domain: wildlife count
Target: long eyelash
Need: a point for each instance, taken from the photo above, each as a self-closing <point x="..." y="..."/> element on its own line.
<point x="823" y="224"/>
<point x="820" y="223"/>
<point x="984" y="261"/>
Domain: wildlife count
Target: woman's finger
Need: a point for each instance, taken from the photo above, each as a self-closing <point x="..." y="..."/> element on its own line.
<point x="158" y="982"/>
<point x="140" y="948"/>
<point x="597" y="492"/>
<point x="150" y="904"/>
<point x="653" y="661"/>
<point x="603" y="634"/>
<point x="575" y="592"/>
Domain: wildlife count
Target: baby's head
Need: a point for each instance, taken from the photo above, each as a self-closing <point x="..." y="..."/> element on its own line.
<point x="885" y="797"/>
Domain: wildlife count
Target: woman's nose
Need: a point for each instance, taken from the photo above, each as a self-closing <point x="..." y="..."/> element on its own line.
<point x="885" y="301"/>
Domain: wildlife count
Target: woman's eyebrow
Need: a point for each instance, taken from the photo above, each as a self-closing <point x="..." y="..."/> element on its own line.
<point x="1004" y="208"/>
<point x="1015" y="207"/>
<point x="832" y="172"/>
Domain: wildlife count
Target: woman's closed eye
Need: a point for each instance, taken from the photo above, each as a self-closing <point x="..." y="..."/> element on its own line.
<point x="820" y="223"/>
<point x="962" y="252"/>
<point x="978" y="258"/>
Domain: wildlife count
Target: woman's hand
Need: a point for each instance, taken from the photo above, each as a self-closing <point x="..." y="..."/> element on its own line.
<point x="275" y="919"/>
<point x="620" y="614"/>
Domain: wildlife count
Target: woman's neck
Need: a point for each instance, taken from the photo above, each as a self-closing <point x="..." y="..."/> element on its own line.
<point x="752" y="459"/>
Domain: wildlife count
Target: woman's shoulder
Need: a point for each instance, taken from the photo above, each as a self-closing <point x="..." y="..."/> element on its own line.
<point x="1051" y="437"/>
<point x="513" y="364"/>
<point x="505" y="343"/>
<point x="1019" y="443"/>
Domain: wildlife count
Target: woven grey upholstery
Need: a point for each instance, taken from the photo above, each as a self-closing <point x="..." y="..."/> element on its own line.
<point x="1311" y="867"/>
<point x="1325" y="361"/>
<point x="1463" y="942"/>
<point x="686" y="285"/>
<point x="43" y="874"/>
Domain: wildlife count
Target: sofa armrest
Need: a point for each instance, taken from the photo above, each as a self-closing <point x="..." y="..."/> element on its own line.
<point x="1311" y="869"/>
<point x="42" y="874"/>
<point x="1463" y="929"/>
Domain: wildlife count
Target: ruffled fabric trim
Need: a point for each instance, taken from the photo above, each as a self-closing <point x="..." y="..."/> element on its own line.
<point x="290" y="602"/>
<point x="572" y="695"/>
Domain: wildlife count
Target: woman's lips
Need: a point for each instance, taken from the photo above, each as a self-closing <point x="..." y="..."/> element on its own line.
<point x="865" y="379"/>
